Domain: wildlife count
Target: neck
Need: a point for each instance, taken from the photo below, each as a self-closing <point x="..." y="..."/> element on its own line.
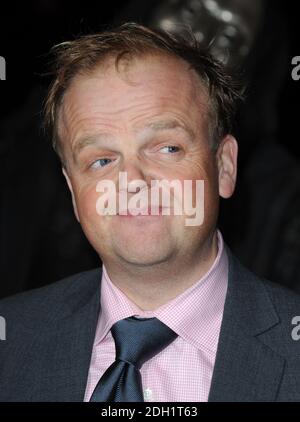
<point x="151" y="287"/>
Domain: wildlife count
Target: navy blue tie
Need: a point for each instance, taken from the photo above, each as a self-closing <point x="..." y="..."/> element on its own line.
<point x="137" y="340"/>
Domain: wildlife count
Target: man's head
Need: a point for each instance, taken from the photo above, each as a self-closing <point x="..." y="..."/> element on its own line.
<point x="156" y="107"/>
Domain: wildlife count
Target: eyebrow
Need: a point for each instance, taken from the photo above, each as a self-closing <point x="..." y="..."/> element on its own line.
<point x="156" y="126"/>
<point x="88" y="140"/>
<point x="168" y="124"/>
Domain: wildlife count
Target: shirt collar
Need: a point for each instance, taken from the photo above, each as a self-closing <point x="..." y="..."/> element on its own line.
<point x="195" y="315"/>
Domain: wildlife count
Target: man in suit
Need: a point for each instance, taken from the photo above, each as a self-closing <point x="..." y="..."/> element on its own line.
<point x="171" y="315"/>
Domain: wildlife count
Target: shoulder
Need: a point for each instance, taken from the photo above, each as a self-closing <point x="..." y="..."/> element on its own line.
<point x="44" y="303"/>
<point x="284" y="299"/>
<point x="287" y="306"/>
<point x="260" y="302"/>
<point x="267" y="309"/>
<point x="255" y="287"/>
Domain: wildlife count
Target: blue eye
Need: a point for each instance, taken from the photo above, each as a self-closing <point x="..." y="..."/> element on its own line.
<point x="100" y="163"/>
<point x="171" y="148"/>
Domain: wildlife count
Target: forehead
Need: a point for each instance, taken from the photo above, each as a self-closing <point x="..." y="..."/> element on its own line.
<point x="137" y="88"/>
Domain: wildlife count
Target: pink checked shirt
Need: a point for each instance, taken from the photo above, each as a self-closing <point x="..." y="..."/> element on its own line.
<point x="183" y="370"/>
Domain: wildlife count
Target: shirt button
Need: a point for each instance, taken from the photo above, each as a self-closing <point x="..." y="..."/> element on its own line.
<point x="147" y="394"/>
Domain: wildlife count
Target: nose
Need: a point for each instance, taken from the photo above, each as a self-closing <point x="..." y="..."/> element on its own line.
<point x="137" y="174"/>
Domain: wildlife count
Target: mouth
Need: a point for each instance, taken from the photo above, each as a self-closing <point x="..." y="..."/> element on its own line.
<point x="149" y="212"/>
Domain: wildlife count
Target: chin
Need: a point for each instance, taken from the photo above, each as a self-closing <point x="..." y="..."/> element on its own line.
<point x="144" y="258"/>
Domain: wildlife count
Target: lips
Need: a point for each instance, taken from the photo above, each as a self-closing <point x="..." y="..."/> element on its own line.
<point x="153" y="210"/>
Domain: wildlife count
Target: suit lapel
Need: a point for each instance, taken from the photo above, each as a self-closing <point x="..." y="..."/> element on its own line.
<point x="72" y="354"/>
<point x="246" y="367"/>
<point x="69" y="344"/>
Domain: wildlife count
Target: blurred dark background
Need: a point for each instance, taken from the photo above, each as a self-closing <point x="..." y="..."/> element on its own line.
<point x="40" y="239"/>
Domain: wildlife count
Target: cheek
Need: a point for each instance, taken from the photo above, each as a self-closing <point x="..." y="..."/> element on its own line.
<point x="198" y="167"/>
<point x="203" y="170"/>
<point x="86" y="203"/>
<point x="206" y="171"/>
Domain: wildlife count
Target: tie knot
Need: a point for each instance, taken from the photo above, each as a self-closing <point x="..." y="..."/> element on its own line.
<point x="138" y="340"/>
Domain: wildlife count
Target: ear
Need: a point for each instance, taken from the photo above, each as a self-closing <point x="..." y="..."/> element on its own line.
<point x="227" y="165"/>
<point x="72" y="193"/>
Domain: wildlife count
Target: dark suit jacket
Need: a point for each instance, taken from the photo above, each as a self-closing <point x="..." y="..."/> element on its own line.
<point x="50" y="333"/>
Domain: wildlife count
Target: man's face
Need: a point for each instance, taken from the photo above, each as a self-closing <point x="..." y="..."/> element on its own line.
<point x="148" y="119"/>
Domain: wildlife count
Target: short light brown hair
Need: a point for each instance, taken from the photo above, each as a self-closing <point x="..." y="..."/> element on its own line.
<point x="83" y="54"/>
